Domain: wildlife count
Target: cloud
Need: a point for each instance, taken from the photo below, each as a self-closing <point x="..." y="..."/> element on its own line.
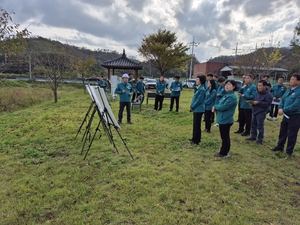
<point x="114" y="24"/>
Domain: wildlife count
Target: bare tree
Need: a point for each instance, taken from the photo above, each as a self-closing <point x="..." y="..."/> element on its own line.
<point x="11" y="38"/>
<point x="54" y="64"/>
<point x="260" y="62"/>
<point x="83" y="66"/>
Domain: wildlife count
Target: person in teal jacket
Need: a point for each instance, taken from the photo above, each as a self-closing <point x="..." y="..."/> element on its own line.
<point x="160" y="93"/>
<point x="289" y="107"/>
<point x="103" y="84"/>
<point x="247" y="92"/>
<point x="220" y="91"/>
<point x="210" y="98"/>
<point x="140" y="88"/>
<point x="198" y="107"/>
<point x="216" y="80"/>
<point x="226" y="109"/>
<point x="175" y="88"/>
<point x="278" y="91"/>
<point x="124" y="89"/>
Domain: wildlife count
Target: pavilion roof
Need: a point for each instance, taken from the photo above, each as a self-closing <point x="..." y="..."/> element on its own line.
<point x="122" y="63"/>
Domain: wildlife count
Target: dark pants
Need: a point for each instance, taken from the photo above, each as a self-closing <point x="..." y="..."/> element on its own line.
<point x="245" y="118"/>
<point x="239" y="110"/>
<point x="158" y="99"/>
<point x="212" y="117"/>
<point x="289" y="129"/>
<point x="197" y="127"/>
<point x="122" y="106"/>
<point x="172" y="103"/>
<point x="208" y="120"/>
<point x="273" y="113"/>
<point x="133" y="96"/>
<point x="257" y="124"/>
<point x="225" y="136"/>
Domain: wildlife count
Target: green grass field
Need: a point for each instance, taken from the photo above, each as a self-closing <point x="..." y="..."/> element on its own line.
<point x="44" y="179"/>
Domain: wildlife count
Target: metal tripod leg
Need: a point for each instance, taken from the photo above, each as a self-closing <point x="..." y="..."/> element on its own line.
<point x="124" y="142"/>
<point x="91" y="142"/>
<point x="88" y="127"/>
<point x="84" y="120"/>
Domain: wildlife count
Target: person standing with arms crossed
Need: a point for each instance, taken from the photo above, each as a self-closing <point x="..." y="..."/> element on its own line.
<point x="124" y="89"/>
<point x="160" y="93"/>
<point x="176" y="88"/>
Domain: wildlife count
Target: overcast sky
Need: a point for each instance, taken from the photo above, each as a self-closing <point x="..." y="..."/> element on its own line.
<point x="217" y="25"/>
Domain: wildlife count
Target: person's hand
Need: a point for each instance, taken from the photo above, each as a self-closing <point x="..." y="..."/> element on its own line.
<point x="244" y="86"/>
<point x="255" y="103"/>
<point x="218" y="95"/>
<point x="213" y="109"/>
<point x="123" y="91"/>
<point x="280" y="112"/>
<point x="191" y="109"/>
<point x="242" y="95"/>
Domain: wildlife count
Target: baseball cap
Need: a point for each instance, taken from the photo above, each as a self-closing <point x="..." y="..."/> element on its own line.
<point x="125" y="75"/>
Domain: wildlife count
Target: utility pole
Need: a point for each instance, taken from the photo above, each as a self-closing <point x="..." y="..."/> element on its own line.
<point x="193" y="44"/>
<point x="236" y="50"/>
<point x="30" y="75"/>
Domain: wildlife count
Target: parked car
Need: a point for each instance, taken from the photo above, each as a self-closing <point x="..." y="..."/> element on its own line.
<point x="167" y="82"/>
<point x="92" y="80"/>
<point x="150" y="83"/>
<point x="189" y="83"/>
<point x="239" y="84"/>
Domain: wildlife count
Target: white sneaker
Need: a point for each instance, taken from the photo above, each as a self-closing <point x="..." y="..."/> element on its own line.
<point x="274" y="118"/>
<point x="270" y="118"/>
<point x="216" y="125"/>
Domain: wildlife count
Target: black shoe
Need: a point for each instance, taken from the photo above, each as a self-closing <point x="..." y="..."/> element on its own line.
<point x="250" y="139"/>
<point x="245" y="134"/>
<point x="298" y="182"/>
<point x="190" y="139"/>
<point x="259" y="142"/>
<point x="193" y="143"/>
<point x="129" y="122"/>
<point x="119" y="122"/>
<point x="218" y="155"/>
<point x="276" y="149"/>
<point x="238" y="132"/>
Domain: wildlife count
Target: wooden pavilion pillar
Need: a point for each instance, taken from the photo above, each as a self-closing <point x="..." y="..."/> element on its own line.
<point x="136" y="74"/>
<point x="108" y="73"/>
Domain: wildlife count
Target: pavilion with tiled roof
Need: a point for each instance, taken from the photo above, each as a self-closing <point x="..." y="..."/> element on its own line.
<point x="122" y="63"/>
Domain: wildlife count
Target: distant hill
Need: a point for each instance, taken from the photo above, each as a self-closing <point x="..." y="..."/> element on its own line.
<point x="288" y="61"/>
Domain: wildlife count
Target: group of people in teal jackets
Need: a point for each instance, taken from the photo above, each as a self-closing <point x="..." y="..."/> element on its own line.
<point x="222" y="101"/>
<point x="208" y="100"/>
